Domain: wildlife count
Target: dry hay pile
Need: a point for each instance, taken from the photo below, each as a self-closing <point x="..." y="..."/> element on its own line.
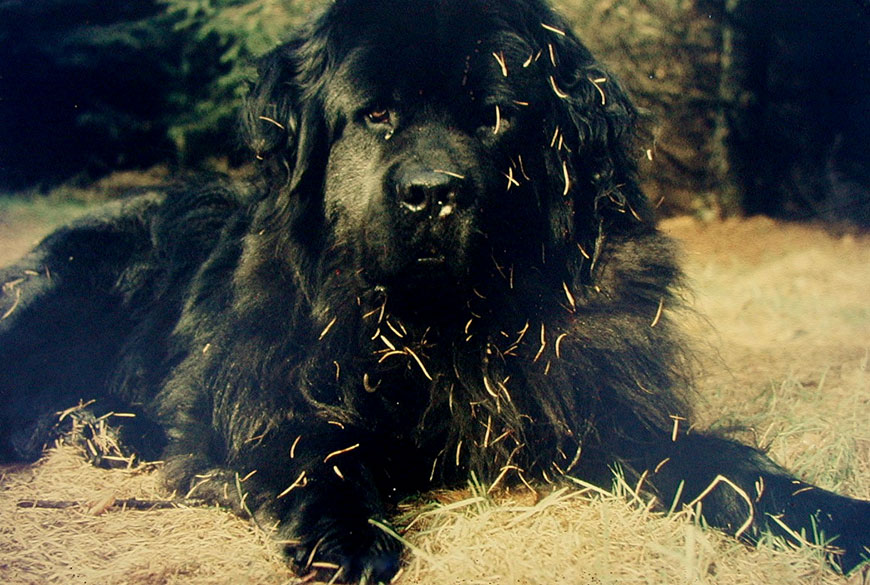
<point x="588" y="537"/>
<point x="581" y="536"/>
<point x="95" y="541"/>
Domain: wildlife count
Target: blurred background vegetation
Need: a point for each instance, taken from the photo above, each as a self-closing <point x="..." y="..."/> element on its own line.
<point x="757" y="106"/>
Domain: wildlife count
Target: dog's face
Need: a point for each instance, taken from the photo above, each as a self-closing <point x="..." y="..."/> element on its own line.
<point x="445" y="138"/>
<point x="422" y="141"/>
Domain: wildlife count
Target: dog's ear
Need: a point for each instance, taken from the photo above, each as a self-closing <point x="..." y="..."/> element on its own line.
<point x="593" y="142"/>
<point x="280" y="119"/>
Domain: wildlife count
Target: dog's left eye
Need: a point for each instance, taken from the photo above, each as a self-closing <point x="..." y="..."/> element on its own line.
<point x="378" y="116"/>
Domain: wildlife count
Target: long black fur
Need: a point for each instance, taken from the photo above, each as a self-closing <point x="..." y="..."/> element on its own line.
<point x="447" y="267"/>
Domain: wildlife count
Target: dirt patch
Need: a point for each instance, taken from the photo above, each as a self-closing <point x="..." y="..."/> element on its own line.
<point x="27" y="218"/>
<point x="23" y="224"/>
<point x="782" y="323"/>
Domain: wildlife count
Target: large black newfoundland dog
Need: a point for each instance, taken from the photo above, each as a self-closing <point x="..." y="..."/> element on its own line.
<point x="448" y="268"/>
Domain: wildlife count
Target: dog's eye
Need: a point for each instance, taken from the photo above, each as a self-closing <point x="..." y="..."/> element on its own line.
<point x="378" y="116"/>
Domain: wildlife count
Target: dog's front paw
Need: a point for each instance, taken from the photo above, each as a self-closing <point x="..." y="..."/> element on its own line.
<point x="343" y="550"/>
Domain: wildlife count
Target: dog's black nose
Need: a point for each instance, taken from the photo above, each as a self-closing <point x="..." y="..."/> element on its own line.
<point x="436" y="191"/>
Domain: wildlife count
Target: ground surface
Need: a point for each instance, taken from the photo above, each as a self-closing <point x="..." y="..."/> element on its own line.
<point x="783" y="346"/>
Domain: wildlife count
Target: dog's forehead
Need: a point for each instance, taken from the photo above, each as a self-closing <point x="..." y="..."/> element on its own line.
<point x="389" y="68"/>
<point x="370" y="70"/>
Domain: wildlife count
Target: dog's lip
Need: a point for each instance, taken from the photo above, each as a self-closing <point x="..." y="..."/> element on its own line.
<point x="435" y="260"/>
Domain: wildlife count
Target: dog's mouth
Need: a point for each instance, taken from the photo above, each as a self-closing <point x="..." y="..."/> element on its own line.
<point x="431" y="260"/>
<point x="430" y="255"/>
<point x="435" y="268"/>
<point x="421" y="266"/>
<point x="427" y="275"/>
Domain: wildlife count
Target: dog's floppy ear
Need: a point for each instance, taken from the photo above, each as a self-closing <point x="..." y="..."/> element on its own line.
<point x="280" y="119"/>
<point x="594" y="146"/>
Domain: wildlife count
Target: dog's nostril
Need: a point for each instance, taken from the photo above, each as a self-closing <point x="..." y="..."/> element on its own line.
<point x="446" y="197"/>
<point x="421" y="190"/>
<point x="415" y="197"/>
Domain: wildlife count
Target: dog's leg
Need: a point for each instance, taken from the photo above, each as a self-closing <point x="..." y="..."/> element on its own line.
<point x="742" y="491"/>
<point x="61" y="326"/>
<point x="311" y="483"/>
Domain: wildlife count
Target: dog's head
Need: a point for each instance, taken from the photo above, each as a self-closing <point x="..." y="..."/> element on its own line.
<point x="432" y="141"/>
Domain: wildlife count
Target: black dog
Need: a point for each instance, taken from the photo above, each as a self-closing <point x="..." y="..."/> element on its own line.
<point x="449" y="267"/>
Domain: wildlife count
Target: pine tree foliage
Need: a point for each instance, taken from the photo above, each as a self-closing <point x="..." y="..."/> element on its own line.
<point x="88" y="86"/>
<point x="80" y="86"/>
<point x="236" y="33"/>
